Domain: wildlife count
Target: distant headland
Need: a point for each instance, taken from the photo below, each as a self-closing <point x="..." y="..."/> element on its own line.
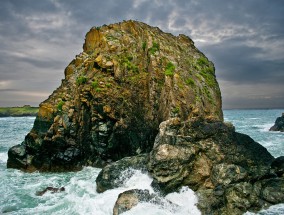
<point x="25" y="110"/>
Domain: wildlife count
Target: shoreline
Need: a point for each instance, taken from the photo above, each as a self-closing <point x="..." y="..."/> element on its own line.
<point x="23" y="111"/>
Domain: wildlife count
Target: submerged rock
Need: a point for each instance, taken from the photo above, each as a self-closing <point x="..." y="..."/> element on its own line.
<point x="51" y="189"/>
<point x="129" y="78"/>
<point x="279" y="124"/>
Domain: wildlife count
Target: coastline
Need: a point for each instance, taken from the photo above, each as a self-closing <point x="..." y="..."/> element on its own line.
<point x="25" y="110"/>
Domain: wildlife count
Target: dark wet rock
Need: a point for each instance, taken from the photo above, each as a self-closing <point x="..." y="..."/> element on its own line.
<point x="51" y="189"/>
<point x="17" y="155"/>
<point x="279" y="124"/>
<point x="277" y="166"/>
<point x="273" y="190"/>
<point x="114" y="174"/>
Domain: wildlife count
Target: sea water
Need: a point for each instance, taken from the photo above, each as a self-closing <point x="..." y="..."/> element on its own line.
<point x="18" y="189"/>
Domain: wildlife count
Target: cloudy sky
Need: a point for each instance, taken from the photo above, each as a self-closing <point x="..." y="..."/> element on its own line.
<point x="244" y="39"/>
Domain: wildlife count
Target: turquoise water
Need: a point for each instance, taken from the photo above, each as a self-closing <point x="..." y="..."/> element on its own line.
<point x="18" y="189"/>
<point x="256" y="124"/>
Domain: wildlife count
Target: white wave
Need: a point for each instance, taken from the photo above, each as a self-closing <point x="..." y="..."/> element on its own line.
<point x="265" y="127"/>
<point x="185" y="198"/>
<point x="3" y="157"/>
<point x="138" y="180"/>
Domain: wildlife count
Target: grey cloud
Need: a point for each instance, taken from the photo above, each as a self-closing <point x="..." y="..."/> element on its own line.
<point x="238" y="63"/>
<point x="9" y="90"/>
<point x="244" y="39"/>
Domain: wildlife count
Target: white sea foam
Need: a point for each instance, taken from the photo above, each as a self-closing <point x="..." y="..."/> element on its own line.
<point x="138" y="180"/>
<point x="82" y="198"/>
<point x="265" y="127"/>
<point x="3" y="157"/>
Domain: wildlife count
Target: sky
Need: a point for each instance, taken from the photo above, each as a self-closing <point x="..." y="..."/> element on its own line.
<point x="243" y="38"/>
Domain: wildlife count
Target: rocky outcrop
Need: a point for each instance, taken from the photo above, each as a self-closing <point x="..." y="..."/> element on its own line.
<point x="129" y="78"/>
<point x="230" y="173"/>
<point x="279" y="124"/>
<point x="205" y="154"/>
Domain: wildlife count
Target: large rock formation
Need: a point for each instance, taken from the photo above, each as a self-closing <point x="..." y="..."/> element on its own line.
<point x="149" y="100"/>
<point x="279" y="124"/>
<point x="230" y="172"/>
<point x="129" y="78"/>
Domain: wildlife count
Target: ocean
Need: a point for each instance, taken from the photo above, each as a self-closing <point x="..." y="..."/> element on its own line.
<point x="18" y="189"/>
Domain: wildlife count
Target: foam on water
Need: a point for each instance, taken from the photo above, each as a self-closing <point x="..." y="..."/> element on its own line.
<point x="3" y="157"/>
<point x="80" y="196"/>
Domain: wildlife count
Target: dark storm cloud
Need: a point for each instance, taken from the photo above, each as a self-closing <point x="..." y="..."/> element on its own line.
<point x="244" y="39"/>
<point x="238" y="63"/>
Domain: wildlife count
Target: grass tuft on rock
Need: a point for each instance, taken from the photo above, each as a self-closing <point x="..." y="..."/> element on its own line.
<point x="170" y="68"/>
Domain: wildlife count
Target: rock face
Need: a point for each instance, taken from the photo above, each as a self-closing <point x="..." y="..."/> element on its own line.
<point x="279" y="124"/>
<point x="229" y="171"/>
<point x="129" y="78"/>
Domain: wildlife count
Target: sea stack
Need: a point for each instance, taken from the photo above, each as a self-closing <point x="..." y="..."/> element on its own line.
<point x="141" y="98"/>
<point x="129" y="78"/>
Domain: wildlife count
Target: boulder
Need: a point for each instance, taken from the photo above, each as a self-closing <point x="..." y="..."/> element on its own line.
<point x="279" y="124"/>
<point x="131" y="198"/>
